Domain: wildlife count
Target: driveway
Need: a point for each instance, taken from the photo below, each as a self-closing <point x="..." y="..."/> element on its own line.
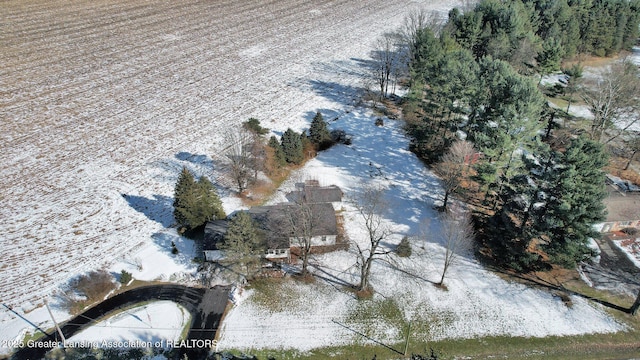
<point x="206" y="307"/>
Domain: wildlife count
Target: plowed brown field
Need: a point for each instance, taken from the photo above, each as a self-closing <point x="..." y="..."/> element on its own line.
<point x="98" y="97"/>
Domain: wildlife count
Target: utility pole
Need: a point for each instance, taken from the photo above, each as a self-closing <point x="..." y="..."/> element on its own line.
<point x="46" y="303"/>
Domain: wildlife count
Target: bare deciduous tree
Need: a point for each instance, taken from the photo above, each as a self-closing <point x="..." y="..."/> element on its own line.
<point x="416" y="21"/>
<point x="613" y="97"/>
<point x="370" y="205"/>
<point x="452" y="167"/>
<point x="456" y="232"/>
<point x="243" y="157"/>
<point x="302" y="224"/>
<point x="386" y="60"/>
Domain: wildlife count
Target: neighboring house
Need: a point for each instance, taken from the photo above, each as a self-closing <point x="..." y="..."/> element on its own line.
<point x="623" y="212"/>
<point x="214" y="233"/>
<point x="310" y="213"/>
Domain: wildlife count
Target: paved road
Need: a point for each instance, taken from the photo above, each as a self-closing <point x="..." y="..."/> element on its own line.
<point x="205" y="305"/>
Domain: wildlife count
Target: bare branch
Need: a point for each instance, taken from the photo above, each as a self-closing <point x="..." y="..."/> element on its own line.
<point x="370" y="205"/>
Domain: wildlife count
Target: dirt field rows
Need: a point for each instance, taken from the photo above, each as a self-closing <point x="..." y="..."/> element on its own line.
<point x="98" y="98"/>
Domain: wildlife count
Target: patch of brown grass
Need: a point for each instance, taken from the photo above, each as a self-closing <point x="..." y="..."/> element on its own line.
<point x="364" y="294"/>
<point x="93" y="287"/>
<point x="591" y="60"/>
<point x="616" y="166"/>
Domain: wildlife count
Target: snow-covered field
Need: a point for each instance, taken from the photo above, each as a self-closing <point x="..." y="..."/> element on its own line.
<point x="103" y="102"/>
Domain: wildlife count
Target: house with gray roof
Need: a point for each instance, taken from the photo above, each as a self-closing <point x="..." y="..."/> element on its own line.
<point x="287" y="225"/>
<point x="309" y="214"/>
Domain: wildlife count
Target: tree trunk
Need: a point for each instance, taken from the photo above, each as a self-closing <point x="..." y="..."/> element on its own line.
<point x="446" y="198"/>
<point x="630" y="160"/>
<point x="364" y="274"/>
<point x="444" y="272"/>
<point x="304" y="253"/>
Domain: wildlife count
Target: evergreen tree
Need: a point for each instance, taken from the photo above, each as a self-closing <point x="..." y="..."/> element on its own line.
<point x="243" y="244"/>
<point x="505" y="116"/>
<point x="510" y="231"/>
<point x="575" y="202"/>
<point x="254" y="126"/>
<point x="278" y="153"/>
<point x="209" y="204"/>
<point x="550" y="57"/>
<point x="292" y="147"/>
<point x="319" y="133"/>
<point x="195" y="203"/>
<point x="551" y="205"/>
<point x="404" y="248"/>
<point x="184" y="197"/>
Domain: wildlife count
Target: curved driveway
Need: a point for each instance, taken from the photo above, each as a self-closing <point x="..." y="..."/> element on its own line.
<point x="206" y="307"/>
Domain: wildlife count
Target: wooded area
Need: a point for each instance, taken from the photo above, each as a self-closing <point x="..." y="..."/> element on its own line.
<point x="476" y="77"/>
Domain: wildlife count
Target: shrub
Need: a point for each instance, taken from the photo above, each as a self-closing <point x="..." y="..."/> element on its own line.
<point x="254" y="126"/>
<point x="174" y="249"/>
<point x="94" y="285"/>
<point x="404" y="248"/>
<point x="125" y="277"/>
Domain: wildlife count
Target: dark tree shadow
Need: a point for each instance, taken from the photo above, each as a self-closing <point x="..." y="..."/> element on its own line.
<point x="544" y="284"/>
<point x="159" y="208"/>
<point x="203" y="160"/>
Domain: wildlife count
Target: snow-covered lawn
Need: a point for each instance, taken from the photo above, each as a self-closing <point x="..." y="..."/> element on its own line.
<point x="477" y="302"/>
<point x="142" y="326"/>
<point x="631" y="248"/>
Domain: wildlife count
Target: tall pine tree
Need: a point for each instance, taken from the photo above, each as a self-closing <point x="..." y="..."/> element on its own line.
<point x="195" y="202"/>
<point x="319" y="133"/>
<point x="243" y="244"/>
<point x="292" y="147"/>
<point x="184" y="197"/>
<point x="278" y="153"/>
<point x="574" y="202"/>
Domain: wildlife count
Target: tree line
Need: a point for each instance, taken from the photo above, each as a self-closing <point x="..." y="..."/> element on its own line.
<point x="475" y="113"/>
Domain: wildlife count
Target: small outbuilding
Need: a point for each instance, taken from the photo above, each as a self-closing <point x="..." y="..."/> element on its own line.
<point x="214" y="233"/>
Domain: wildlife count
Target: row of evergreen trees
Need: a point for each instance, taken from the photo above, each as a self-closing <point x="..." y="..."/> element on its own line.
<point x="470" y="78"/>
<point x="292" y="146"/>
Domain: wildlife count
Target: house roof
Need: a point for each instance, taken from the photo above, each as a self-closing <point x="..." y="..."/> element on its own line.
<point x="214" y="232"/>
<point x="313" y="194"/>
<point x="283" y="221"/>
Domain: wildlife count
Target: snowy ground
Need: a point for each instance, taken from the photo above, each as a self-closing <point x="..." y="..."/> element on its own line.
<point x="477" y="303"/>
<point x="583" y="111"/>
<point x="144" y="326"/>
<point x="631" y="248"/>
<point x="103" y="102"/>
